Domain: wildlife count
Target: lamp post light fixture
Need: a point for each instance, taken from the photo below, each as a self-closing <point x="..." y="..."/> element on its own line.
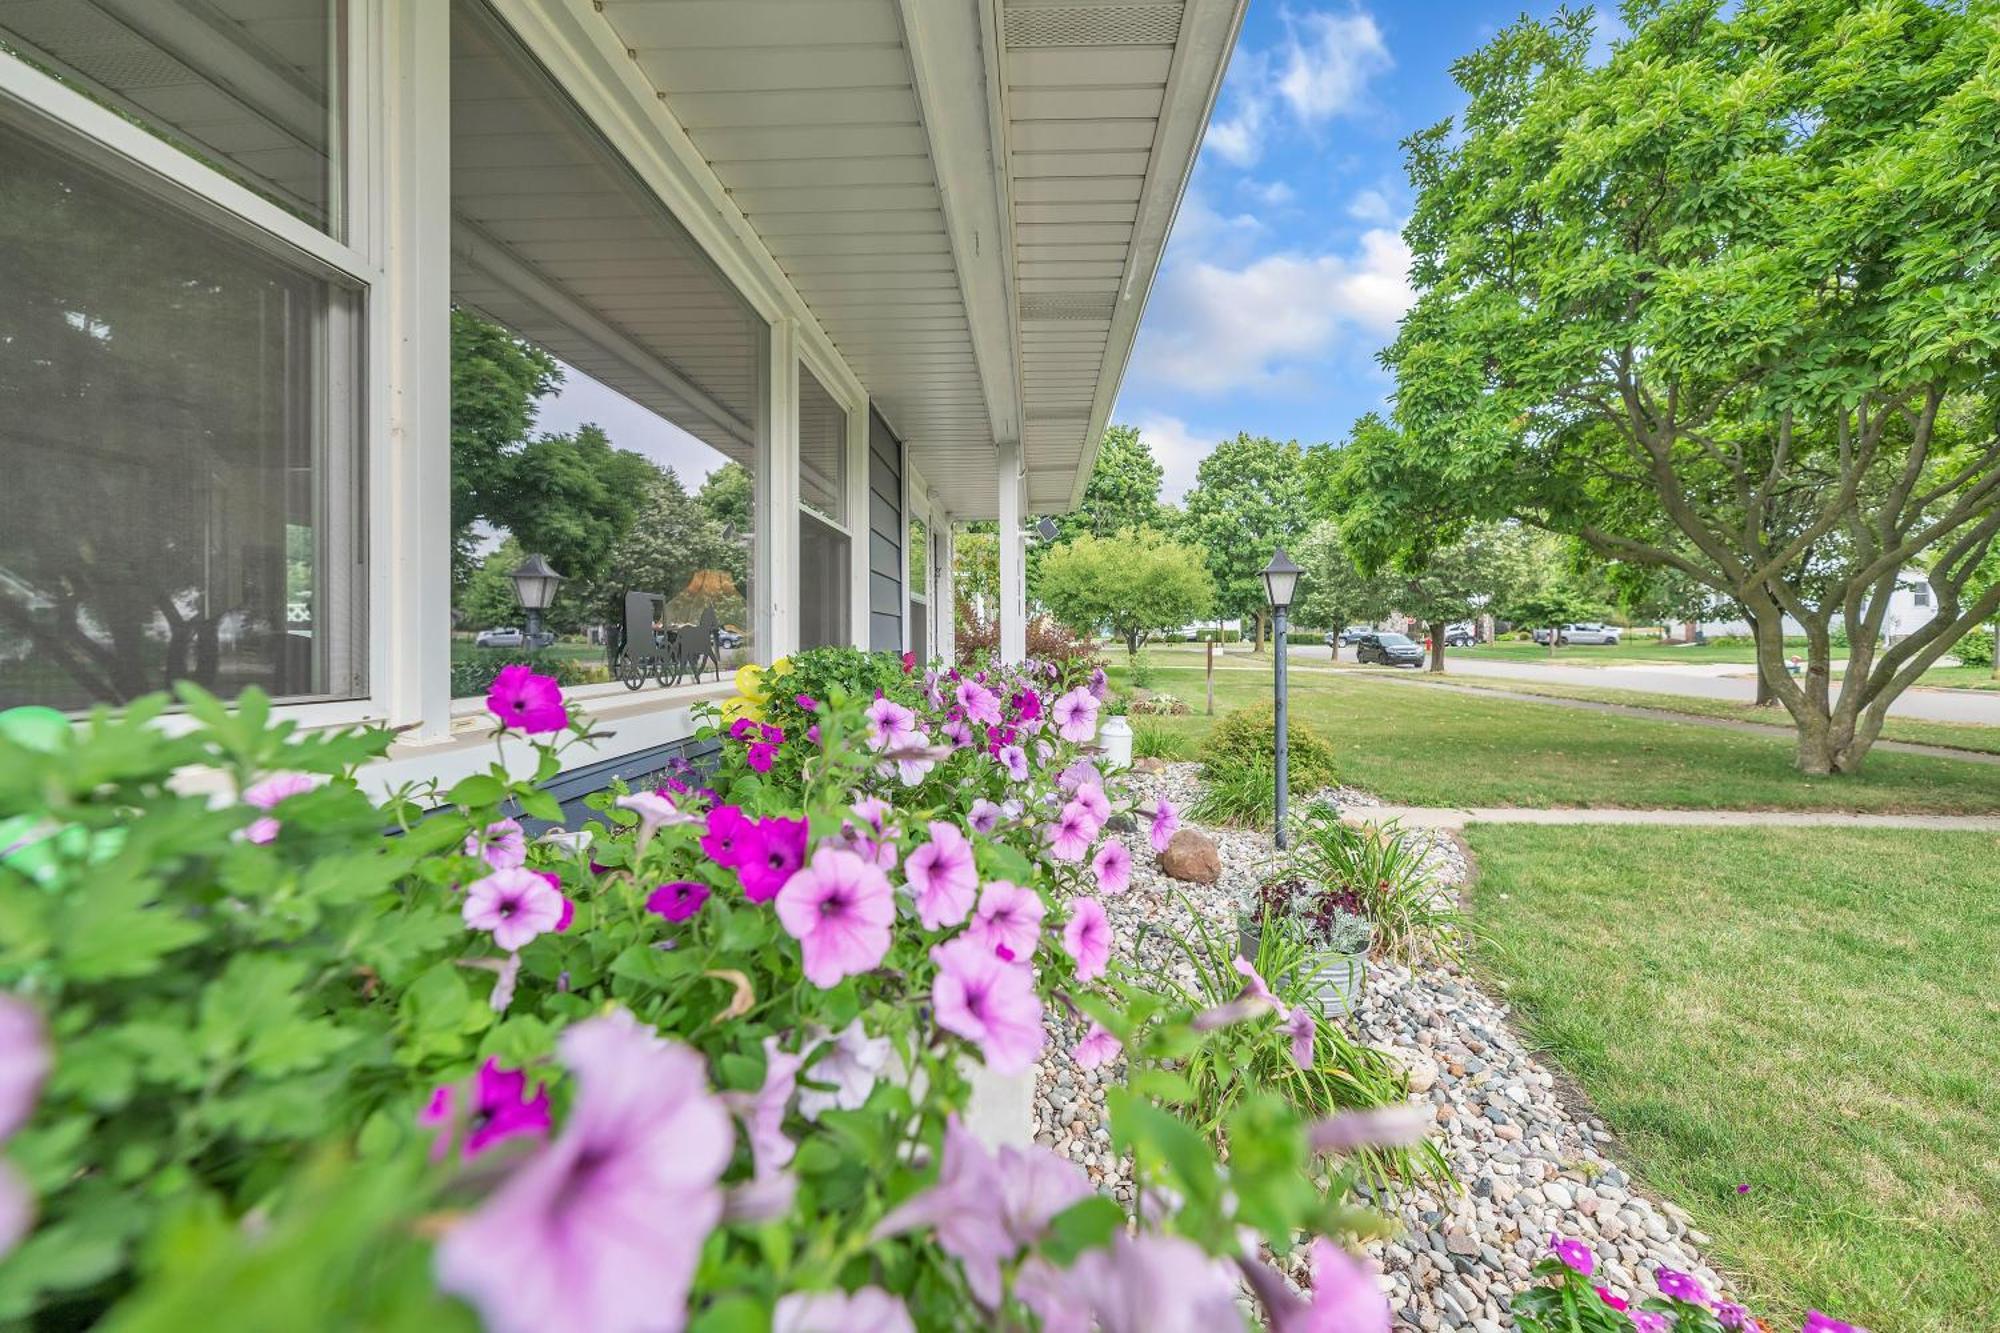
<point x="535" y="582"/>
<point x="1281" y="579"/>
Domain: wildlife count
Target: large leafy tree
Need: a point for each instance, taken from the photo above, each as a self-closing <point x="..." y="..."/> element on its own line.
<point x="1481" y="571"/>
<point x="727" y="494"/>
<point x="1136" y="583"/>
<point x="675" y="547"/>
<point x="1727" y="303"/>
<point x="1334" y="592"/>
<point x="1123" y="492"/>
<point x="1249" y="499"/>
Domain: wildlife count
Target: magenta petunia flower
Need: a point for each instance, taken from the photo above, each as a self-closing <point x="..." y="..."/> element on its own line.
<point x="1087" y="938"/>
<point x="1008" y="921"/>
<point x="1612" y="1299"/>
<point x="501" y="844"/>
<point x="1345" y="1295"/>
<point x="806" y="702"/>
<point x="1075" y="715"/>
<point x="942" y="876"/>
<point x="496" y="1108"/>
<point x="812" y="734"/>
<point x="1574" y="1254"/>
<point x="1097" y="1047"/>
<point x="568" y="908"/>
<point x="989" y="1002"/>
<point x="265" y="795"/>
<point x="760" y="757"/>
<point x="1166" y="822"/>
<point x="771" y="855"/>
<point x="679" y="900"/>
<point x="839" y="908"/>
<point x="516" y="905"/>
<point x="1826" y="1323"/>
<point x="1070" y="835"/>
<point x="1646" y="1321"/>
<point x="1731" y="1315"/>
<point x="1091" y="797"/>
<point x="1678" y="1286"/>
<point x="602" y="1229"/>
<point x="772" y="734"/>
<point x="1027" y="704"/>
<point x="852" y="1063"/>
<point x="1113" y="867"/>
<point x="1301" y="1028"/>
<point x="1015" y="760"/>
<point x="984" y="816"/>
<point x="864" y="1310"/>
<point x="731" y="836"/>
<point x="980" y="704"/>
<point x="521" y="698"/>
<point x="742" y="729"/>
<point x="889" y="723"/>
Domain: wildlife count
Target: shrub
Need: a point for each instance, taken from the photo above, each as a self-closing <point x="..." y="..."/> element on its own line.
<point x="1249" y="735"/>
<point x="1161" y="704"/>
<point x="1378" y="870"/>
<point x="476" y="675"/>
<point x="1976" y="648"/>
<point x="1151" y="740"/>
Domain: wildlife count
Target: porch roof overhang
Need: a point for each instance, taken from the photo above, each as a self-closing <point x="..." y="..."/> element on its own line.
<point x="968" y="198"/>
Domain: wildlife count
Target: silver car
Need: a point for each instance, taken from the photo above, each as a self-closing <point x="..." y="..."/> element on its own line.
<point x="499" y="638"/>
<point x="1584" y="632"/>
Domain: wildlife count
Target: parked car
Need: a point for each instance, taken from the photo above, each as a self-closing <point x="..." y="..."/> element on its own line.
<point x="499" y="638"/>
<point x="1350" y="636"/>
<point x="1461" y="635"/>
<point x="1388" y="649"/>
<point x="1583" y="632"/>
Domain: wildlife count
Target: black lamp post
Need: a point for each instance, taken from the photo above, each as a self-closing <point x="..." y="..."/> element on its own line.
<point x="535" y="584"/>
<point x="1281" y="579"/>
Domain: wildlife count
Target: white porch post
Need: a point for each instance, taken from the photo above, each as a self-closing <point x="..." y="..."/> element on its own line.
<point x="1013" y="556"/>
<point x="859" y="519"/>
<point x="945" y="611"/>
<point x="410" y="226"/>
<point x="777" y="553"/>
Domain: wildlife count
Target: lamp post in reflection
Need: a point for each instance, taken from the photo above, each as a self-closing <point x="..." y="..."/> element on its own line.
<point x="535" y="583"/>
<point x="1281" y="579"/>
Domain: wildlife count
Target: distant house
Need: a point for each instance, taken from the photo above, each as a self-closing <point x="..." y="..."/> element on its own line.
<point x="1911" y="606"/>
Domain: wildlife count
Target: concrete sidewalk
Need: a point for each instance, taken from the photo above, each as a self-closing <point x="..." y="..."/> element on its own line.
<point x="1445" y="817"/>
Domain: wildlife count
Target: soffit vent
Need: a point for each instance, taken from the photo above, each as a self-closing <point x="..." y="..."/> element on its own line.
<point x="1067" y="305"/>
<point x="1093" y="25"/>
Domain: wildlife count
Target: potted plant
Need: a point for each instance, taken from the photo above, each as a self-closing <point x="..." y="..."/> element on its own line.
<point x="1333" y="928"/>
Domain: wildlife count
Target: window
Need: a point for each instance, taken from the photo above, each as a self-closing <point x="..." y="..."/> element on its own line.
<point x="247" y="86"/>
<point x="1921" y="594"/>
<point x="824" y="583"/>
<point x="920" y="548"/>
<point x="180" y="443"/>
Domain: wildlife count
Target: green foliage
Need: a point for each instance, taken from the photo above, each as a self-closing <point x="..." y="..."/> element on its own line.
<point x="1727" y="303"/>
<point x="1975" y="648"/>
<point x="1249" y="735"/>
<point x="475" y="675"/>
<point x="1152" y="740"/>
<point x="496" y="379"/>
<point x="1334" y="593"/>
<point x="674" y="538"/>
<point x="1137" y="583"/>
<point x="1249" y="499"/>
<point x="1241" y="793"/>
<point x="1123" y="492"/>
<point x="1382" y="867"/>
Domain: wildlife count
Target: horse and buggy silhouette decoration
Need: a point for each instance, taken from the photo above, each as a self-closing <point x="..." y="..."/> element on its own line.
<point x="649" y="647"/>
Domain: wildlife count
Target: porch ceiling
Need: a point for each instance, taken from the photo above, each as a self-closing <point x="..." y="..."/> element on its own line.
<point x="877" y="146"/>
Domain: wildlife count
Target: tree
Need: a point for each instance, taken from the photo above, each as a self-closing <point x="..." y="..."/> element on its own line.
<point x="1549" y="606"/>
<point x="1123" y="492"/>
<point x="975" y="577"/>
<point x="677" y="548"/>
<point x="1334" y="592"/>
<point x="728" y="494"/>
<point x="1727" y="303"/>
<point x="1136" y="583"/>
<point x="488" y="599"/>
<point x="1249" y="499"/>
<point x="495" y="380"/>
<point x="1458" y="580"/>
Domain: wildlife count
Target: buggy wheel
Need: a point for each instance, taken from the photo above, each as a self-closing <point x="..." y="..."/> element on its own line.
<point x="632" y="671"/>
<point x="667" y="667"/>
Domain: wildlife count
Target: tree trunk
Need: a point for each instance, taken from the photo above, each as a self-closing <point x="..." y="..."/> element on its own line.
<point x="1555" y="632"/>
<point x="1333" y="645"/>
<point x="1257" y="634"/>
<point x="1766" y="696"/>
<point x="1437" y="646"/>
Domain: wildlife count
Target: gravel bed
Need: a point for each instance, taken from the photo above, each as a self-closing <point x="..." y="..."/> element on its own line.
<point x="1526" y="1164"/>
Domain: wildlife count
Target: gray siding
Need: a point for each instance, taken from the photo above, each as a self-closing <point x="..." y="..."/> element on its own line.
<point x="885" y="537"/>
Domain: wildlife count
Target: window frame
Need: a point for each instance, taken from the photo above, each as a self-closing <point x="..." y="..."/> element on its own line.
<point x="132" y="155"/>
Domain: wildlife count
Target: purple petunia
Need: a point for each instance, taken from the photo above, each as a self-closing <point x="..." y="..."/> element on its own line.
<point x="521" y="698"/>
<point x="1573" y="1254"/>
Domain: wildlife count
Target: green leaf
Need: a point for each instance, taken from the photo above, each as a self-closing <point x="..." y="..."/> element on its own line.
<point x="477" y="791"/>
<point x="1087" y="1224"/>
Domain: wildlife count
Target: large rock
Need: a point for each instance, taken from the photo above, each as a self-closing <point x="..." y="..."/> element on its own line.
<point x="1148" y="763"/>
<point x="1192" y="856"/>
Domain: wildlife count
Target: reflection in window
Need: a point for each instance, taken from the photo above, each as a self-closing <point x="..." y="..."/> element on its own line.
<point x="182" y="471"/>
<point x="822" y="449"/>
<point x="241" y="84"/>
<point x="823" y="583"/>
<point x="919" y="613"/>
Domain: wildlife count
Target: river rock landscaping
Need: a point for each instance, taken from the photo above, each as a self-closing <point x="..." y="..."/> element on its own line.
<point x="1527" y="1164"/>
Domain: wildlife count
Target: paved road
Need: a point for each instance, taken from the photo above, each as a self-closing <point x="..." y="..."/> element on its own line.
<point x="1446" y="817"/>
<point x="1697" y="680"/>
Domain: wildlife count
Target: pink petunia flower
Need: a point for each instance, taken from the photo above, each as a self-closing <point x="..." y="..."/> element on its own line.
<point x="1573" y="1254"/>
<point x="1070" y="835"/>
<point x="521" y="698"/>
<point x="984" y="816"/>
<point x="1079" y="773"/>
<point x="1015" y="760"/>
<point x="1612" y="1299"/>
<point x="1091" y="797"/>
<point x="958" y="731"/>
<point x="1113" y="867"/>
<point x="864" y="1310"/>
<point x="1396" y="1126"/>
<point x="1253" y="982"/>
<point x="679" y="900"/>
<point x="568" y="908"/>
<point x="1097" y="1047"/>
<point x="770" y="856"/>
<point x="602" y="1229"/>
<point x="806" y="702"/>
<point x="655" y="809"/>
<point x="851" y="1065"/>
<point x="980" y="704"/>
<point x="1648" y="1321"/>
<point x="839" y="908"/>
<point x="496" y="1108"/>
<point x="743" y="728"/>
<point x="1008" y="921"/>
<point x="24" y="1067"/>
<point x="1678" y="1286"/>
<point x="1100" y="684"/>
<point x="516" y="905"/>
<point x="889" y="723"/>
<point x="943" y="877"/>
<point x="989" y="1002"/>
<point x="266" y="794"/>
<point x="1075" y="715"/>
<point x="1301" y="1028"/>
<point x="914" y="757"/>
<point x="1153" y="1283"/>
<point x="731" y="836"/>
<point x="1345" y="1296"/>
<point x="1731" y="1315"/>
<point x="1166" y="822"/>
<point x="763" y="1111"/>
<point x="501" y="844"/>
<point x="1087" y="938"/>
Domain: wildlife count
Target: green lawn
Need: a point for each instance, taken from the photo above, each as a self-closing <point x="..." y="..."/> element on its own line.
<point x="1809" y="1011"/>
<point x="462" y="650"/>
<point x="1631" y="650"/>
<point x="1434" y="747"/>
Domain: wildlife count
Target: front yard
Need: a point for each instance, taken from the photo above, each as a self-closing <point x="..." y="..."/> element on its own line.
<point x="1808" y="1013"/>
<point x="1434" y="747"/>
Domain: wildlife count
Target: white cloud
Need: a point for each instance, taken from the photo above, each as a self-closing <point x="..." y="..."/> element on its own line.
<point x="1179" y="449"/>
<point x="1328" y="61"/>
<point x="1271" y="194"/>
<point x="1240" y="138"/>
<point x="1371" y="206"/>
<point x="1212" y="327"/>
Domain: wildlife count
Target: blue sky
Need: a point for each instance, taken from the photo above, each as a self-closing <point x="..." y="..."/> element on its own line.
<point x="1285" y="271"/>
<point x="1284" y="275"/>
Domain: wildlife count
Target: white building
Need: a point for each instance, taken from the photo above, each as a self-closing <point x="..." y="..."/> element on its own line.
<point x="889" y="254"/>
<point x="1911" y="607"/>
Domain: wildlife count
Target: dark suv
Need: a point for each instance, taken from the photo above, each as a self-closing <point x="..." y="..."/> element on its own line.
<point x="1389" y="650"/>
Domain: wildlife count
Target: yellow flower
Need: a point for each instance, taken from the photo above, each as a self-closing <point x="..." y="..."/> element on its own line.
<point x="749" y="681"/>
<point x="742" y="706"/>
